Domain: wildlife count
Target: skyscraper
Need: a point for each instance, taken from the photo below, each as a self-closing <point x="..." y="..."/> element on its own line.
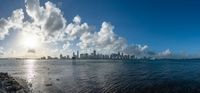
<point x="61" y="56"/>
<point x="94" y="53"/>
<point x="74" y="54"/>
<point x="77" y="54"/>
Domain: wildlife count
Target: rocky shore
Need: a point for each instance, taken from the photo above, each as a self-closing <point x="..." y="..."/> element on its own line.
<point x="9" y="84"/>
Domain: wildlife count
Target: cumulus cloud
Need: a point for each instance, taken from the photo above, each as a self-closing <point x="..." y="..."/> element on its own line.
<point x="49" y="19"/>
<point x="66" y="45"/>
<point x="3" y="28"/>
<point x="104" y="40"/>
<point x="49" y="24"/>
<point x="138" y="50"/>
<point x="7" y="53"/>
<point x="16" y="18"/>
<point x="165" y="53"/>
<point x="77" y="19"/>
<point x="76" y="29"/>
<point x="169" y="54"/>
<point x="12" y="22"/>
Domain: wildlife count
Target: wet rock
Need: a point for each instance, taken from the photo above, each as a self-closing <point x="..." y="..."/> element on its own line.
<point x="48" y="84"/>
<point x="58" y="79"/>
<point x="9" y="85"/>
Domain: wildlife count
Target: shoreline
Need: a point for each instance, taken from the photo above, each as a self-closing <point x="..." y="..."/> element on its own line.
<point x="9" y="84"/>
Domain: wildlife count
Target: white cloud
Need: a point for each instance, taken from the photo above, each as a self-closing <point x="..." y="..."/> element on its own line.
<point x="105" y="40"/>
<point x="7" y="53"/>
<point x="77" y="19"/>
<point x="108" y="40"/>
<point x="76" y="29"/>
<point x="3" y="28"/>
<point x="165" y="53"/>
<point x="16" y="18"/>
<point x="48" y="23"/>
<point x="33" y="9"/>
<point x="66" y="46"/>
<point x="13" y="22"/>
<point x="49" y="19"/>
<point x="137" y="50"/>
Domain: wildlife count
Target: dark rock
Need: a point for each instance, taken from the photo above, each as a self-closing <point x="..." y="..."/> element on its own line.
<point x="9" y="84"/>
<point x="58" y="79"/>
<point x="48" y="84"/>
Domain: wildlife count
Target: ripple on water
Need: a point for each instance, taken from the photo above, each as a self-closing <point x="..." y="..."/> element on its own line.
<point x="107" y="77"/>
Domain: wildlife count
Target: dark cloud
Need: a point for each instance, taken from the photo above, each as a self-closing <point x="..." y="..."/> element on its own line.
<point x="31" y="51"/>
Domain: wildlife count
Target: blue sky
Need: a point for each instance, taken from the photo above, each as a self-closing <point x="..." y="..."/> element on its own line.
<point x="160" y="24"/>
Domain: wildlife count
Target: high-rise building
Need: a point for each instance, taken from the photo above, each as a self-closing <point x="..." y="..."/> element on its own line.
<point x="118" y="53"/>
<point x="74" y="54"/>
<point x="77" y="54"/>
<point x="67" y="56"/>
<point x="95" y="53"/>
<point x="61" y="56"/>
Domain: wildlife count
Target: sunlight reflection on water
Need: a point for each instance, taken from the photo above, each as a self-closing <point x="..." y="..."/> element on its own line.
<point x="30" y="65"/>
<point x="63" y="76"/>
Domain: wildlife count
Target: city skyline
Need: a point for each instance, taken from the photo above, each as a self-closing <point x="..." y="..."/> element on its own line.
<point x="35" y="28"/>
<point x="99" y="46"/>
<point x="95" y="55"/>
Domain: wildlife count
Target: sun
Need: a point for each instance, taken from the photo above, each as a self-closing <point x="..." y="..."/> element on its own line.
<point x="29" y="41"/>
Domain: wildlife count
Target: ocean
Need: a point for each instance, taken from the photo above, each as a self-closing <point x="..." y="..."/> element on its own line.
<point x="106" y="76"/>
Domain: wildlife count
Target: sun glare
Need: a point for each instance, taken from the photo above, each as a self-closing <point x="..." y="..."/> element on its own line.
<point x="29" y="41"/>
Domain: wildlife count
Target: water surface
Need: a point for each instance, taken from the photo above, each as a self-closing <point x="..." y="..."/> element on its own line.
<point x="90" y="76"/>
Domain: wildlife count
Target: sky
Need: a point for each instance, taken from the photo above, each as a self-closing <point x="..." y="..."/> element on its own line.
<point x="158" y="28"/>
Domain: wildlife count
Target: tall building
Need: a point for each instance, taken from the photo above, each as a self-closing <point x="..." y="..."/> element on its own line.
<point x="67" y="56"/>
<point x="95" y="53"/>
<point x="73" y="54"/>
<point x="77" y="54"/>
<point x="118" y="53"/>
<point x="61" y="56"/>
